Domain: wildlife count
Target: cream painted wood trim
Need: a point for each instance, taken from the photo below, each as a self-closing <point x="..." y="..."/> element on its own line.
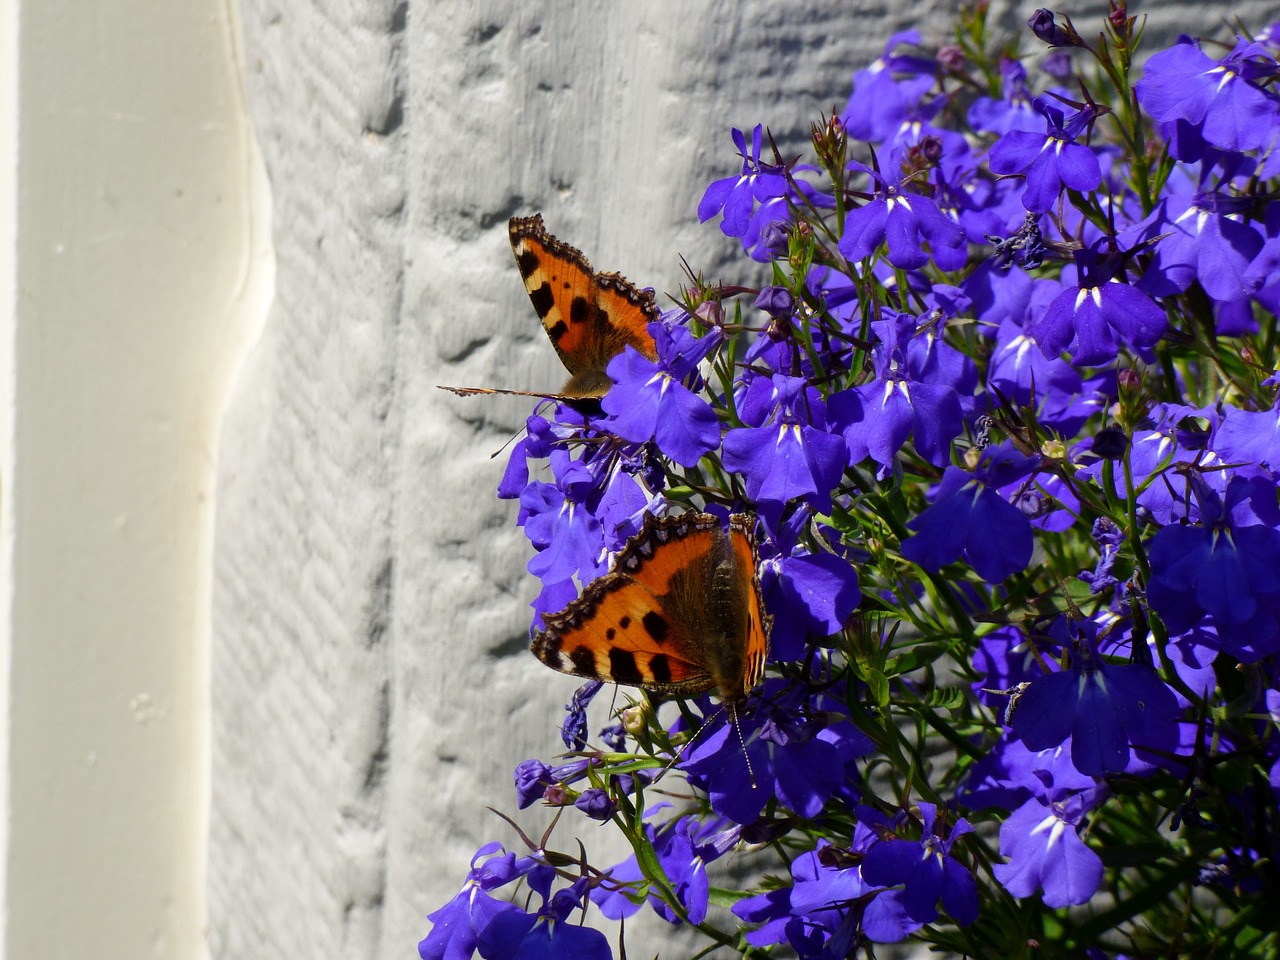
<point x="135" y="274"/>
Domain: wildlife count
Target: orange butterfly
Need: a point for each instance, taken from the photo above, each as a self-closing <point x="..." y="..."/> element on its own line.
<point x="680" y="613"/>
<point x="590" y="317"/>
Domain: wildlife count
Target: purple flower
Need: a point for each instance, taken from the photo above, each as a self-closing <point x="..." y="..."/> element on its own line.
<point x="1245" y="436"/>
<point x="1051" y="160"/>
<point x="1105" y="708"/>
<point x="1042" y="24"/>
<point x="828" y="905"/>
<point x="794" y="456"/>
<point x="1042" y="841"/>
<point x="574" y="730"/>
<point x="596" y="803"/>
<point x="456" y="926"/>
<point x="649" y="401"/>
<point x="877" y="417"/>
<point x="516" y="935"/>
<point x="683" y="857"/>
<point x="1183" y="83"/>
<point x="796" y="758"/>
<point x="968" y="516"/>
<point x="1227" y="568"/>
<point x="927" y="871"/>
<point x="1088" y="318"/>
<point x="900" y="217"/>
<point x="1200" y="238"/>
<point x="735" y="197"/>
<point x="815" y="595"/>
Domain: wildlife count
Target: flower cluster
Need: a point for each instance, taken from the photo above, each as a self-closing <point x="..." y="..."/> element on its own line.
<point x="1004" y="412"/>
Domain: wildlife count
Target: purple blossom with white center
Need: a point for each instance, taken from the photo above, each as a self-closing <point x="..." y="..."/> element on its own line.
<point x="968" y="516"/>
<point x="1041" y="839"/>
<point x="1166" y="452"/>
<point x="899" y="217"/>
<point x="889" y="92"/>
<point x="683" y="850"/>
<point x="456" y="926"/>
<point x="516" y="935"/>
<point x="794" y="757"/>
<point x="1201" y="237"/>
<point x="1184" y="83"/>
<point x="1010" y="774"/>
<point x="1015" y="109"/>
<point x="1052" y="160"/>
<point x="1088" y="319"/>
<point x="1022" y="374"/>
<point x="651" y="401"/>
<point x="877" y="417"/>
<point x="793" y="457"/>
<point x="1107" y="709"/>
<point x="734" y="198"/>
<point x="1227" y="568"/>
<point x="829" y="905"/>
<point x="926" y="870"/>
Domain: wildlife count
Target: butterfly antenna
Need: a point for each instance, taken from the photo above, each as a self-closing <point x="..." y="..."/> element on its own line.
<point x="510" y="440"/>
<point x="733" y="719"/>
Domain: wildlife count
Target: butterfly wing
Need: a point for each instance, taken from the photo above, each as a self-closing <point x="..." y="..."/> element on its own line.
<point x="679" y="614"/>
<point x="589" y="317"/>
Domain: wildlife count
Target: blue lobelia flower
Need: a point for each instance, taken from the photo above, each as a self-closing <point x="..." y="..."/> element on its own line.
<point x="809" y="594"/>
<point x="1107" y="709"/>
<point x="1042" y="841"/>
<point x="1200" y="237"/>
<point x="792" y="457"/>
<point x="456" y="926"/>
<point x="1246" y="436"/>
<point x="734" y="198"/>
<point x="574" y="730"/>
<point x="1227" y="568"/>
<point x="968" y="516"/>
<point x="1088" y="318"/>
<point x="797" y="758"/>
<point x="1184" y="83"/>
<point x="902" y="218"/>
<point x="546" y="935"/>
<point x="877" y="417"/>
<point x="926" y="870"/>
<point x="650" y="401"/>
<point x="1015" y="109"/>
<point x="1050" y="160"/>
<point x="683" y="849"/>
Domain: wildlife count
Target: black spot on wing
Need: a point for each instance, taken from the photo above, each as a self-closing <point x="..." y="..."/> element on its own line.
<point x="624" y="621"/>
<point x="528" y="262"/>
<point x="655" y="625"/>
<point x="543" y="299"/>
<point x="660" y="668"/>
<point x="580" y="311"/>
<point x="584" y="661"/>
<point x="623" y="668"/>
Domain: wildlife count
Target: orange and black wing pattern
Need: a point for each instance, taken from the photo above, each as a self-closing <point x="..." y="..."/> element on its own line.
<point x="590" y="317"/>
<point x="680" y="613"/>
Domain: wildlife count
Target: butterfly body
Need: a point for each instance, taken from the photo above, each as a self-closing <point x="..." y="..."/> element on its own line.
<point x="680" y="613"/>
<point x="589" y="317"/>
